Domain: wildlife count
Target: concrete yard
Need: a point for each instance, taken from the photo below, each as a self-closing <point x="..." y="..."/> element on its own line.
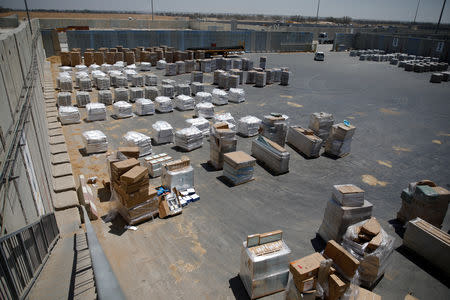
<point x="402" y="135"/>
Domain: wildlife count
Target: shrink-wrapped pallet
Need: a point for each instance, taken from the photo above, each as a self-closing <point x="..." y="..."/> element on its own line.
<point x="220" y="97"/>
<point x="178" y="174"/>
<point x="121" y="94"/>
<point x="163" y="132"/>
<point x="129" y="73"/>
<point x="276" y="74"/>
<point x="63" y="76"/>
<point x="249" y="126"/>
<point x="304" y="140"/>
<point x="205" y="110"/>
<point x="197" y="76"/>
<point x="251" y="77"/>
<point x="168" y="90"/>
<point x="85" y="84"/>
<point x="274" y="127"/>
<point x="171" y="69"/>
<point x="201" y="123"/>
<point x="260" y="79"/>
<point x="64" y="99"/>
<point x="203" y="97"/>
<point x="145" y="66"/>
<point x="197" y="87"/>
<point x="236" y="95"/>
<point x="69" y="115"/>
<point x="163" y="104"/>
<point x="137" y="80"/>
<point x="320" y="123"/>
<point x="83" y="98"/>
<point x="96" y="111"/>
<point x="339" y="141"/>
<point x="151" y="92"/>
<point x="65" y="84"/>
<point x="123" y="109"/>
<point x="222" y="140"/>
<point x="94" y="141"/>
<point x="144" y="107"/>
<point x="272" y="155"/>
<point x="205" y="65"/>
<point x="183" y="89"/>
<point x="105" y="97"/>
<point x="189" y="138"/>
<point x="181" y="67"/>
<point x="223" y="80"/>
<point x="136" y="93"/>
<point x="161" y="64"/>
<point x="103" y="83"/>
<point x="137" y="139"/>
<point x="285" y="77"/>
<point x="216" y="76"/>
<point x="183" y="102"/>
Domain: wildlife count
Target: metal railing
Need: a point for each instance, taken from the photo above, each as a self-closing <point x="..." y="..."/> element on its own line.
<point x="23" y="254"/>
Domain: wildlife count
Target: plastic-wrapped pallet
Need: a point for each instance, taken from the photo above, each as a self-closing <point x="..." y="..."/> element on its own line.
<point x="205" y="65"/>
<point x="197" y="87"/>
<point x="137" y="139"/>
<point x="121" y="81"/>
<point x="189" y="138"/>
<point x="220" y="97"/>
<point x="236" y="95"/>
<point x="65" y="84"/>
<point x="121" y="94"/>
<point x="216" y="76"/>
<point x="189" y="66"/>
<point x="203" y="97"/>
<point x="96" y="111"/>
<point x="181" y="67"/>
<point x="168" y="90"/>
<point x="223" y="80"/>
<point x="119" y="65"/>
<point x="262" y="62"/>
<point x="137" y="80"/>
<point x="163" y="104"/>
<point x="164" y="132"/>
<point x="154" y="163"/>
<point x="225" y="117"/>
<point x="145" y="66"/>
<point x="94" y="141"/>
<point x="123" y="109"/>
<point x="151" y="92"/>
<point x="266" y="273"/>
<point x="205" y="110"/>
<point x="233" y="81"/>
<point x="285" y="77"/>
<point x="249" y="126"/>
<point x="320" y="123"/>
<point x="201" y="123"/>
<point x="68" y="115"/>
<point x="304" y="141"/>
<point x="64" y="99"/>
<point x="161" y="64"/>
<point x="112" y="75"/>
<point x="222" y="140"/>
<point x="274" y="127"/>
<point x="269" y="76"/>
<point x="183" y="102"/>
<point x="62" y="76"/>
<point x="106" y="67"/>
<point x="171" y="69"/>
<point x="272" y="155"/>
<point x="78" y="76"/>
<point x="105" y="97"/>
<point x="227" y="64"/>
<point x="260" y="79"/>
<point x="372" y="246"/>
<point x="129" y="73"/>
<point x="83" y="98"/>
<point x="337" y="218"/>
<point x="168" y="81"/>
<point x="178" y="173"/>
<point x="276" y="74"/>
<point x="238" y="73"/>
<point x="339" y="141"/>
<point x="197" y="76"/>
<point x="81" y="68"/>
<point x="85" y="84"/>
<point x="238" y="167"/>
<point x="251" y="77"/>
<point x="183" y="89"/>
<point x="103" y="83"/>
<point x="237" y="63"/>
<point x="65" y="69"/>
<point x="144" y="107"/>
<point x="136" y="93"/>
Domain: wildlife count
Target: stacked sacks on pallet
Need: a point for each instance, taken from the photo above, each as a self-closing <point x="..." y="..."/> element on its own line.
<point x="96" y="111"/>
<point x="189" y="138"/>
<point x="123" y="109"/>
<point x="201" y="123"/>
<point x="249" y="126"/>
<point x="144" y="107"/>
<point x="164" y="132"/>
<point x="94" y="141"/>
<point x="69" y="115"/>
<point x="137" y="139"/>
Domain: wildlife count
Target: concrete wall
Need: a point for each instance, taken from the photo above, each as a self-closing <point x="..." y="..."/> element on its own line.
<point x="114" y="23"/>
<point x="11" y="21"/>
<point x="29" y="194"/>
<point x="343" y="41"/>
<point x="183" y="39"/>
<point x="50" y="42"/>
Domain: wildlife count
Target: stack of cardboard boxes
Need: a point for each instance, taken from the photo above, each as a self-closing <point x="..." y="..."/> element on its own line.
<point x="222" y="140"/>
<point x="238" y="167"/>
<point x="320" y="123"/>
<point x="274" y="127"/>
<point x="304" y="140"/>
<point x="340" y="139"/>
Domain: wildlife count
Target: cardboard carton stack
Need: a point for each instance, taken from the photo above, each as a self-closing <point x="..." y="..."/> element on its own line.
<point x="155" y="162"/>
<point x="164" y="132"/>
<point x="178" y="174"/>
<point x="320" y="123"/>
<point x="249" y="126"/>
<point x="272" y="155"/>
<point x="274" y="127"/>
<point x="137" y="139"/>
<point x="429" y="242"/>
<point x="222" y="140"/>
<point x="127" y="152"/>
<point x="426" y="200"/>
<point x="304" y="140"/>
<point x="346" y="207"/>
<point x="238" y="167"/>
<point x="201" y="123"/>
<point x="94" y="141"/>
<point x="305" y="273"/>
<point x="189" y="138"/>
<point x="372" y="246"/>
<point x="264" y="264"/>
<point x="340" y="139"/>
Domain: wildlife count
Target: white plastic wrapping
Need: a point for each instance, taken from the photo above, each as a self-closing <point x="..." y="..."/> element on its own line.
<point x="60" y="76"/>
<point x="136" y="93"/>
<point x="105" y="97"/>
<point x="123" y="109"/>
<point x="144" y="107"/>
<point x="94" y="67"/>
<point x="275" y="127"/>
<point x="120" y="81"/>
<point x="197" y="76"/>
<point x="248" y="125"/>
<point x="106" y="67"/>
<point x="94" y="141"/>
<point x="236" y="95"/>
<point x="220" y="97"/>
<point x="85" y="84"/>
<point x="168" y="90"/>
<point x="183" y="102"/>
<point x="181" y="179"/>
<point x="137" y="80"/>
<point x="119" y="65"/>
<point x="83" y="98"/>
<point x="163" y="132"/>
<point x="65" y="69"/>
<point x="181" y="67"/>
<point x="69" y="115"/>
<point x="161" y="64"/>
<point x="96" y="111"/>
<point x="151" y="92"/>
<point x="197" y="87"/>
<point x="163" y="104"/>
<point x="183" y="89"/>
<point x="64" y="99"/>
<point x="129" y="73"/>
<point x="203" y="97"/>
<point x="137" y="139"/>
<point x="121" y="94"/>
<point x="189" y="138"/>
<point x="205" y="110"/>
<point x="145" y="66"/>
<point x="151" y="80"/>
<point x="275" y="159"/>
<point x="78" y="76"/>
<point x="103" y="83"/>
<point x="201" y="123"/>
<point x="65" y="84"/>
<point x="225" y="117"/>
<point x="171" y="69"/>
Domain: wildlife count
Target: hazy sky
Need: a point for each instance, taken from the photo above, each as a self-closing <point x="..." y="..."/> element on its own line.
<point x="404" y="10"/>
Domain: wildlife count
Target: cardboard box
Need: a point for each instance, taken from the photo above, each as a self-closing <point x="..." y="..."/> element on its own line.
<point x="239" y="159"/>
<point x="178" y="164"/>
<point x="371" y="227"/>
<point x="306" y="285"/>
<point x="306" y="267"/>
<point x="133" y="175"/>
<point x="130" y="152"/>
<point x="342" y="258"/>
<point x="375" y="242"/>
<point x="337" y="287"/>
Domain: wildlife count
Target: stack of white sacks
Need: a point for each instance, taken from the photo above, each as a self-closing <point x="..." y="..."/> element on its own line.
<point x="201" y="123"/>
<point x="163" y="104"/>
<point x="189" y="138"/>
<point x="65" y="84"/>
<point x="203" y="97"/>
<point x="94" y="141"/>
<point x="64" y="99"/>
<point x="137" y="139"/>
<point x="123" y="109"/>
<point x="236" y="95"/>
<point x="62" y="76"/>
<point x="78" y="76"/>
<point x="161" y="64"/>
<point x="164" y="132"/>
<point x="69" y="115"/>
<point x="83" y="98"/>
<point x="145" y="66"/>
<point x="96" y="111"/>
<point x="144" y="107"/>
<point x="225" y="117"/>
<point x="205" y="110"/>
<point x="249" y="126"/>
<point x="183" y="102"/>
<point x="220" y="97"/>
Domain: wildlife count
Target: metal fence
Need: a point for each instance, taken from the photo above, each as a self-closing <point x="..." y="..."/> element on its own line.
<point x="23" y="254"/>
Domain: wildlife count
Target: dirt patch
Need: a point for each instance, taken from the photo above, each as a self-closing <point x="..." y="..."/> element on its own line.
<point x="372" y="181"/>
<point x="385" y="163"/>
<point x="388" y="111"/>
<point x="401" y="149"/>
<point x="437" y="142"/>
<point x="294" y="104"/>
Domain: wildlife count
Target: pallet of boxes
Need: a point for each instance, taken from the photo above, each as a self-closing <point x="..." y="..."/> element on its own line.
<point x="222" y="140"/>
<point x="326" y="276"/>
<point x="264" y="266"/>
<point x="138" y="201"/>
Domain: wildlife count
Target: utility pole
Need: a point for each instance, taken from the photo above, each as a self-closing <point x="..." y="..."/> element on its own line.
<point x="417" y="9"/>
<point x="317" y="15"/>
<point x="28" y="15"/>
<point x="152" y="10"/>
<point x="440" y="17"/>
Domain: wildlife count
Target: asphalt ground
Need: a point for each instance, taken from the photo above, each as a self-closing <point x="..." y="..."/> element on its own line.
<point x="402" y="135"/>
